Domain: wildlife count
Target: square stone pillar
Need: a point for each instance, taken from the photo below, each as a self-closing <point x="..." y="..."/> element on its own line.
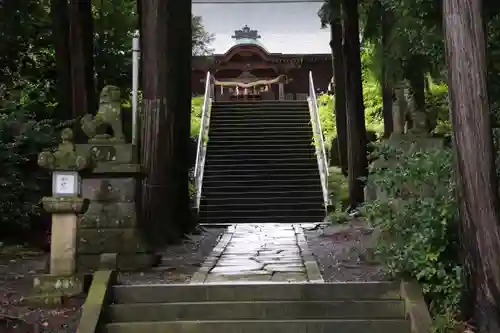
<point x="109" y="233"/>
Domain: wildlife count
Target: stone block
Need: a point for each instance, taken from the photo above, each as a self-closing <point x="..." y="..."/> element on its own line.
<point x="111" y="168"/>
<point x="108" y="261"/>
<point x="97" y="241"/>
<point x="124" y="262"/>
<point x="108" y="215"/>
<point x="53" y="285"/>
<point x="115" y="190"/>
<point x="110" y="152"/>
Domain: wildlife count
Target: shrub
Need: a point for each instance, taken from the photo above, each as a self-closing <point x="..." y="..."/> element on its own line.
<point x="338" y="188"/>
<point x="22" y="137"/>
<point x="416" y="218"/>
<point x="196" y="112"/>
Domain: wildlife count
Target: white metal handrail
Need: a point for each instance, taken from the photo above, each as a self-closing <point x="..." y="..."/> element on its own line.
<point x="319" y="142"/>
<point x="203" y="139"/>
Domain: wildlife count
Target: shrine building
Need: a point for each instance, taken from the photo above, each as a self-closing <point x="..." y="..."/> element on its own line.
<point x="249" y="71"/>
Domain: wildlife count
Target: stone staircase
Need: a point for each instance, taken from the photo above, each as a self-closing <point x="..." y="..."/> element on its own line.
<point x="374" y="307"/>
<point x="261" y="165"/>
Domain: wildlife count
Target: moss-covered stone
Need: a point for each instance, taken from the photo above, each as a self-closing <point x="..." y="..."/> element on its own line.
<point x="109" y="190"/>
<point x="117" y="170"/>
<point x="58" y="285"/>
<point x="64" y="205"/>
<point x="109" y="152"/>
<point x="105" y="215"/>
<point x="65" y="156"/>
<point x="97" y="241"/>
<point x="124" y="262"/>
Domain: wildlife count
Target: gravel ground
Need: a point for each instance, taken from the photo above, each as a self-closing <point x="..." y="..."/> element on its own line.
<point x="343" y="252"/>
<point x="18" y="267"/>
<point x="179" y="262"/>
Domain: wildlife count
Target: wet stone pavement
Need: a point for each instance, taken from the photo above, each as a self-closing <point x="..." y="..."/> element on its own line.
<point x="260" y="253"/>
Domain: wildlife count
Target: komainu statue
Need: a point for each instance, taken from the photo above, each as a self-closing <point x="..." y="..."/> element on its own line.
<point x="108" y="117"/>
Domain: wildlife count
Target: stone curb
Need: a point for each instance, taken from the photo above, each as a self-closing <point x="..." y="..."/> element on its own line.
<point x="312" y="268"/>
<point x="415" y="307"/>
<point x="97" y="298"/>
<point x="201" y="275"/>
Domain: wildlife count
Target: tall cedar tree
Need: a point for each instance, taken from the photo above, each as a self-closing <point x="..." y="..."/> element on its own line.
<point x="356" y="128"/>
<point x="82" y="60"/>
<point x="166" y="72"/>
<point x="60" y="35"/>
<point x="339" y="80"/>
<point x="387" y="19"/>
<point x="475" y="163"/>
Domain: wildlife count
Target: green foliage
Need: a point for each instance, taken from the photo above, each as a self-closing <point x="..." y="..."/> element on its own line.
<point x="436" y="103"/>
<point x="196" y="112"/>
<point x="339" y="191"/>
<point x="327" y="118"/>
<point x="22" y="137"/>
<point x="417" y="220"/>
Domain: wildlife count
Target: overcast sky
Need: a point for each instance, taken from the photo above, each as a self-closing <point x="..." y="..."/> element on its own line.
<point x="285" y="28"/>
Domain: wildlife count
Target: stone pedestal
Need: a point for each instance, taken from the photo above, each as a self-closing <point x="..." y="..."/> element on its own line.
<point x="109" y="235"/>
<point x="64" y="205"/>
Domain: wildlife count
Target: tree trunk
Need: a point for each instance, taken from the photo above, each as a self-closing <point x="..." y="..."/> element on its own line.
<point x="157" y="144"/>
<point x="179" y="102"/>
<point x="60" y="34"/>
<point x="82" y="60"/>
<point x="475" y="163"/>
<point x="165" y="81"/>
<point x="339" y="84"/>
<point x="386" y="77"/>
<point x="356" y="129"/>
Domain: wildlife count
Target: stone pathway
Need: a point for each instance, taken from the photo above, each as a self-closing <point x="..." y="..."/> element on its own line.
<point x="261" y="254"/>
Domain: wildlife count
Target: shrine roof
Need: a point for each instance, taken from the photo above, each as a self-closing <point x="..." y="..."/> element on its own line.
<point x="249" y="41"/>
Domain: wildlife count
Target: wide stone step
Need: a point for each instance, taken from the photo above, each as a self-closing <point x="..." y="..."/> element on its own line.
<point x="216" y="121"/>
<point x="262" y="208"/>
<point x="258" y="193"/>
<point x="306" y="172"/>
<point x="209" y="188"/>
<point x="242" y="214"/>
<point x="208" y="218"/>
<point x="258" y="125"/>
<point x="258" y="130"/>
<point x="260" y="181"/>
<point x="256" y="292"/>
<point x="258" y="115"/>
<point x="252" y="175"/>
<point x="244" y="146"/>
<point x="283" y="162"/>
<point x="263" y="326"/>
<point x="251" y="310"/>
<point x="231" y="201"/>
<point x="265" y="151"/>
<point x="270" y="138"/>
<point x="262" y="155"/>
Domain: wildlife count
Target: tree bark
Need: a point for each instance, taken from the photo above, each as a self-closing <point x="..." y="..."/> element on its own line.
<point x="60" y="34"/>
<point x="475" y="163"/>
<point x="179" y="101"/>
<point x="386" y="77"/>
<point x="167" y="100"/>
<point x="356" y="128"/>
<point x="339" y="81"/>
<point x="82" y="60"/>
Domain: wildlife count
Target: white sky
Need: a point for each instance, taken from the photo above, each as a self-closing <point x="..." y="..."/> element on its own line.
<point x="285" y="28"/>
